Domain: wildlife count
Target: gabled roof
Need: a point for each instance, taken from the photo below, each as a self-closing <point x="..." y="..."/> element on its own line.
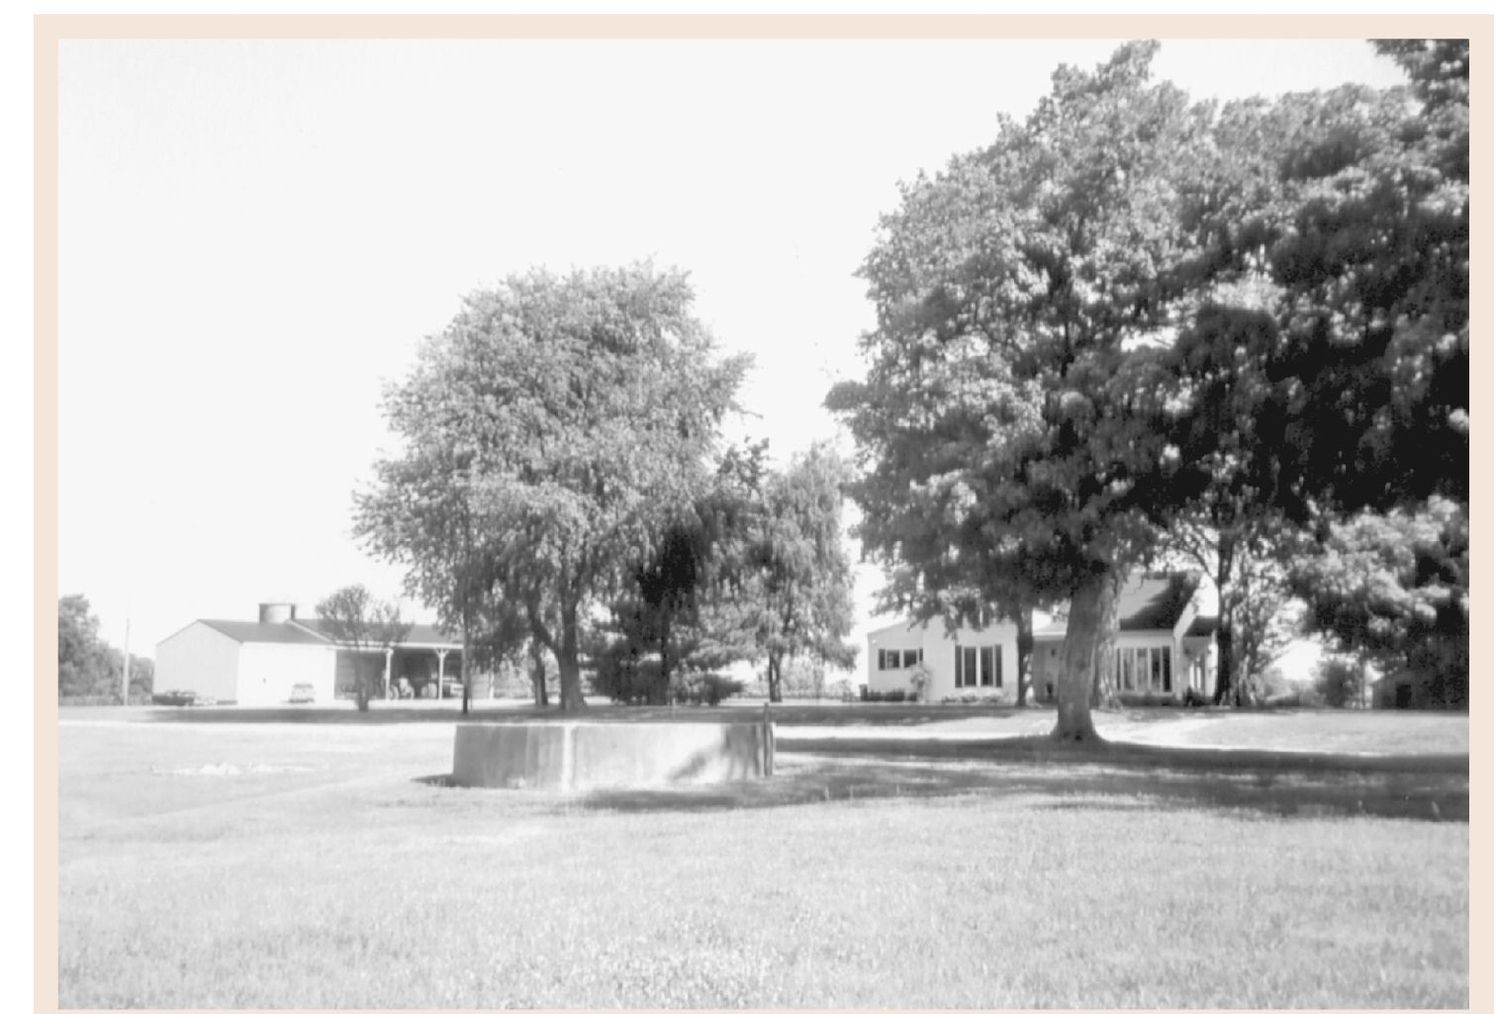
<point x="1155" y="601"/>
<point x="1147" y="602"/>
<point x="249" y="632"/>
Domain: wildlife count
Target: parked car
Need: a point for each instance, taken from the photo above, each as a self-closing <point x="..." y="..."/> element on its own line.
<point x="302" y="693"/>
<point x="176" y="698"/>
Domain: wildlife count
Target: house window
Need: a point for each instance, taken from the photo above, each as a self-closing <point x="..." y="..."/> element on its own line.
<point x="1145" y="670"/>
<point x="895" y="658"/>
<point x="992" y="666"/>
<point x="979" y="666"/>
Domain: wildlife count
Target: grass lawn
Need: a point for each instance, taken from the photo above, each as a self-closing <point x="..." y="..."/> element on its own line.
<point x="315" y="863"/>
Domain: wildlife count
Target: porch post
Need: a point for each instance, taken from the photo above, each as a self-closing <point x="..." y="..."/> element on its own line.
<point x="389" y="654"/>
<point x="441" y="670"/>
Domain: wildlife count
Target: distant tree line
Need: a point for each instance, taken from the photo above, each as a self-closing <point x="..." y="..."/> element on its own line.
<point x="89" y="669"/>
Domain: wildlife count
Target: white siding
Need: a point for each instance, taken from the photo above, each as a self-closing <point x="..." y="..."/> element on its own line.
<point x="267" y="672"/>
<point x="200" y="659"/>
<point x="939" y="649"/>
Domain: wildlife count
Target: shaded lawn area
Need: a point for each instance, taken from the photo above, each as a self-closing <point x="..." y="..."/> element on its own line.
<point x="1390" y="732"/>
<point x="205" y="864"/>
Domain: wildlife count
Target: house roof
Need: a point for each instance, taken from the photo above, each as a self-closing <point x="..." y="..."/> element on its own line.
<point x="1203" y="626"/>
<point x="1147" y="602"/>
<point x="1155" y="601"/>
<point x="250" y="632"/>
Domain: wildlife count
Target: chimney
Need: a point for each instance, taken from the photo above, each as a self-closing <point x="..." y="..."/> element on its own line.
<point x="277" y="612"/>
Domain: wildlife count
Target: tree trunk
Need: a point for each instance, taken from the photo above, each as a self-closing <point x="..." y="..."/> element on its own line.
<point x="360" y="684"/>
<point x="537" y="674"/>
<point x="774" y="677"/>
<point x="1226" y="688"/>
<point x="568" y="661"/>
<point x="662" y="691"/>
<point x="1025" y="651"/>
<point x="1104" y="657"/>
<point x="466" y="671"/>
<point x="1093" y="609"/>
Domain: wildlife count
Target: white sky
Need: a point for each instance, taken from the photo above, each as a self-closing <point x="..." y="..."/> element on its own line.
<point x="255" y="235"/>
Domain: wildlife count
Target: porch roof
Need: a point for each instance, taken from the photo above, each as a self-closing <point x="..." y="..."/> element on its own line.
<point x="421" y="635"/>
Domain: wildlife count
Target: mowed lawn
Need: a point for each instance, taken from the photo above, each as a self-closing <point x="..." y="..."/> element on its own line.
<point x="208" y="862"/>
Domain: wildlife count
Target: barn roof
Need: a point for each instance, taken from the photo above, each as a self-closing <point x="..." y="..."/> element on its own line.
<point x="250" y="632"/>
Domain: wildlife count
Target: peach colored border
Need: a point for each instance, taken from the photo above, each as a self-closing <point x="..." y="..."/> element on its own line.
<point x="51" y="30"/>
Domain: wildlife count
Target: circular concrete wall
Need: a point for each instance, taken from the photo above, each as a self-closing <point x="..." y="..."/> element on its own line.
<point x="584" y="755"/>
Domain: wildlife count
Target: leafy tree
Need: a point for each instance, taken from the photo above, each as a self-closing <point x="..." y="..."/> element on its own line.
<point x="422" y="513"/>
<point x="1340" y="680"/>
<point x="87" y="665"/>
<point x="677" y="605"/>
<point x="1006" y="426"/>
<point x="1394" y="589"/>
<point x="568" y="419"/>
<point x="1326" y="368"/>
<point x="354" y="617"/>
<point x="798" y="599"/>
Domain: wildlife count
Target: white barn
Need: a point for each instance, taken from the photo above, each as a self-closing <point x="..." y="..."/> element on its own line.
<point x="262" y="663"/>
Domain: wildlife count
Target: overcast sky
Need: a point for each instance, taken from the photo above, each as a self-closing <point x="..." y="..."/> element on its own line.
<point x="255" y="236"/>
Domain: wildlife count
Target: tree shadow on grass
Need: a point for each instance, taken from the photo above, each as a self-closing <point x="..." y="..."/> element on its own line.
<point x="1103" y="776"/>
<point x="508" y="712"/>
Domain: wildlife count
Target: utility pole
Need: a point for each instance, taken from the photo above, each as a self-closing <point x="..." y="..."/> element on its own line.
<point x="124" y="675"/>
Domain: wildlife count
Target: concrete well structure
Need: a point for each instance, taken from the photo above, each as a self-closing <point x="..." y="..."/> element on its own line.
<point x="586" y="755"/>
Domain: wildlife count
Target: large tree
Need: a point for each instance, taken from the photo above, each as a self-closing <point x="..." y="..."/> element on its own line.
<point x="571" y="417"/>
<point x="1005" y="422"/>
<point x="1326" y="369"/>
<point x="1129" y="313"/>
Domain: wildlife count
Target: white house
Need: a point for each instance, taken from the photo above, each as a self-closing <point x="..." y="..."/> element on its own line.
<point x="262" y="662"/>
<point x="983" y="661"/>
<point x="1164" y="647"/>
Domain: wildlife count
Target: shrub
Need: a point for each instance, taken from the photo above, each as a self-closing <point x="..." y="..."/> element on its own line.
<point x="919" y="679"/>
<point x="626" y="677"/>
<point x="1338" y="680"/>
<point x="710" y="689"/>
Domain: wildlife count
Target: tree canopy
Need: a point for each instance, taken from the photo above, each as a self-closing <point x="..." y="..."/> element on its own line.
<point x="1130" y="310"/>
<point x="552" y="433"/>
